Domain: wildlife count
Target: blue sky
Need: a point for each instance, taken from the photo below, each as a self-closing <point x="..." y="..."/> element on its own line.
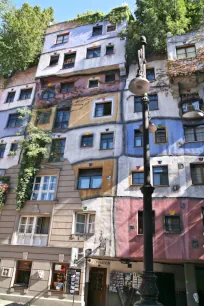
<point x="68" y="9"/>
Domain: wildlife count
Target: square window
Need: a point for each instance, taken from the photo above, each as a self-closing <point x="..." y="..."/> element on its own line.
<point x="150" y="74"/>
<point x="106" y="141"/>
<point x="43" y="117"/>
<point x="160" y="176"/>
<point x="93" y="52"/>
<point x="44" y="188"/>
<point x="63" y="38"/>
<point x="111" y="28"/>
<point x="197" y="174"/>
<point x="85" y="223"/>
<point x="25" y="94"/>
<point x="15" y="121"/>
<point x="172" y="224"/>
<point x="97" y="30"/>
<point x="185" y="52"/>
<point x="109" y="50"/>
<point x="109" y="77"/>
<point x="90" y="178"/>
<point x="54" y="60"/>
<point x="137" y="178"/>
<point x="140" y="222"/>
<point x="69" y="60"/>
<point x="87" y="141"/>
<point x="138" y="141"/>
<point x="160" y="135"/>
<point x="62" y="118"/>
<point x="103" y="109"/>
<point x="10" y="97"/>
<point x="153" y="103"/>
<point x="67" y="87"/>
<point x="194" y="133"/>
<point x="48" y="94"/>
<point x="23" y="273"/>
<point x="57" y="150"/>
<point x="93" y="83"/>
<point x="2" y="150"/>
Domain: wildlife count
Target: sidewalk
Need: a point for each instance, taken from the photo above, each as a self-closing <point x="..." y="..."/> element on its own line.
<point x="9" y="303"/>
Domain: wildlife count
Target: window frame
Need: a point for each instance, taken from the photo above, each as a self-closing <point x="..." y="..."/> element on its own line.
<point x="185" y="47"/>
<point x="109" y="26"/>
<point x="86" y="223"/>
<point x="59" y="157"/>
<point x="154" y="76"/>
<point x="156" y="136"/>
<point x="15" y="145"/>
<point x="92" y="80"/>
<point x="72" y="59"/>
<point x="17" y="273"/>
<point x="160" y="166"/>
<point x="90" y="49"/>
<point x="2" y="145"/>
<point x="200" y="165"/>
<point x="50" y="91"/>
<point x="62" y="122"/>
<point x="99" y="32"/>
<point x="88" y="136"/>
<point x="107" y="141"/>
<point x="109" y="74"/>
<point x="103" y="103"/>
<point x="136" y="101"/>
<point x="110" y="47"/>
<point x="54" y="56"/>
<point x="45" y="117"/>
<point x="195" y="128"/>
<point x="141" y="134"/>
<point x="53" y="271"/>
<point x="40" y="191"/>
<point x="63" y="40"/>
<point x="132" y="179"/>
<point x="167" y="225"/>
<point x="13" y="93"/>
<point x="66" y="86"/>
<point x="24" y="90"/>
<point x="91" y="177"/>
<point x="16" y="120"/>
<point x="139" y="218"/>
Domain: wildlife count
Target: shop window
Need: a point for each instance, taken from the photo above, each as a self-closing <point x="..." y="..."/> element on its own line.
<point x="172" y="224"/>
<point x="54" y="59"/>
<point x="185" y="52"/>
<point x="138" y="138"/>
<point x="90" y="178"/>
<point x="48" y="94"/>
<point x="103" y="109"/>
<point x="160" y="176"/>
<point x="111" y="28"/>
<point x="62" y="38"/>
<point x="2" y="150"/>
<point x="23" y="271"/>
<point x="194" y="133"/>
<point x="150" y="74"/>
<point x="67" y="87"/>
<point x="109" y="77"/>
<point x="57" y="150"/>
<point x="15" y="121"/>
<point x="44" y="188"/>
<point x="73" y="281"/>
<point x="153" y="103"/>
<point x="25" y="94"/>
<point x="62" y="118"/>
<point x="14" y="147"/>
<point x="85" y="223"/>
<point x="140" y="222"/>
<point x="33" y="231"/>
<point x="161" y="135"/>
<point x="87" y="141"/>
<point x="93" y="52"/>
<point x="59" y="272"/>
<point x="109" y="50"/>
<point x="10" y="97"/>
<point x="106" y="141"/>
<point x="43" y="117"/>
<point x="69" y="60"/>
<point x="93" y="83"/>
<point x="97" y="30"/>
<point x="137" y="178"/>
<point x="197" y="174"/>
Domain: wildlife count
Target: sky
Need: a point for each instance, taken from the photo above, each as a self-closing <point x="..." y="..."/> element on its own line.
<point x="68" y="9"/>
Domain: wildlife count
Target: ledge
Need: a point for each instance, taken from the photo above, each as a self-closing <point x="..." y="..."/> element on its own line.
<point x="40" y="202"/>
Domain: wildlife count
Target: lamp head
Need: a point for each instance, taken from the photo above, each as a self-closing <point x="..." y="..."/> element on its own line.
<point x="139" y="86"/>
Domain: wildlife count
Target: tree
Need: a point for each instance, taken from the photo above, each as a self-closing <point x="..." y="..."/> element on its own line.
<point x="21" y="36"/>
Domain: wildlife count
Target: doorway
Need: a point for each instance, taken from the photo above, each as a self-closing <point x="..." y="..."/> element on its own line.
<point x="166" y="287"/>
<point x="97" y="287"/>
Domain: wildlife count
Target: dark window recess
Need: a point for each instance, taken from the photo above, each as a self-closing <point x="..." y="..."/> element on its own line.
<point x="160" y="176"/>
<point x="150" y="74"/>
<point x="62" y="119"/>
<point x="43" y="117"/>
<point x="137" y="178"/>
<point x="202" y="209"/>
<point x="48" y="94"/>
<point x="23" y="273"/>
<point x="172" y="224"/>
<point x="61" y="39"/>
<point x="69" y="60"/>
<point x="93" y="52"/>
<point x="54" y="59"/>
<point x="87" y="141"/>
<point x="197" y="174"/>
<point x="2" y="150"/>
<point x="194" y="133"/>
<point x="15" y="121"/>
<point x="103" y="109"/>
<point x="57" y="150"/>
<point x="106" y="141"/>
<point x="185" y="52"/>
<point x="14" y="147"/>
<point x="111" y="28"/>
<point x="140" y="222"/>
<point x="195" y="243"/>
<point x="90" y="178"/>
<point x="138" y="141"/>
<point x="93" y="83"/>
<point x="42" y="225"/>
<point x="160" y="135"/>
<point x="25" y="94"/>
<point x="109" y="50"/>
<point x="110" y="77"/>
<point x="97" y="30"/>
<point x="153" y="103"/>
<point x="10" y="97"/>
<point x="67" y="87"/>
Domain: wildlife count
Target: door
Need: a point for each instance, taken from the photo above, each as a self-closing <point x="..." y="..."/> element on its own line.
<point x="97" y="287"/>
<point x="166" y="287"/>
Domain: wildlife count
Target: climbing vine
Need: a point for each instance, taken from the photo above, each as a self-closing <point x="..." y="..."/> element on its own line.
<point x="3" y="190"/>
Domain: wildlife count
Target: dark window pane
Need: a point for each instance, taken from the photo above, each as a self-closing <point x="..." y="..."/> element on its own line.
<point x="138" y="178"/>
<point x="10" y="97"/>
<point x="93" y="83"/>
<point x="48" y="94"/>
<point x="87" y="141"/>
<point x="67" y="87"/>
<point x="90" y="178"/>
<point x="14" y="121"/>
<point x="2" y="150"/>
<point x="186" y="52"/>
<point x="153" y="102"/>
<point x="110" y="77"/>
<point x="197" y="174"/>
<point x="93" y="52"/>
<point x="111" y="28"/>
<point x="62" y="38"/>
<point x="160" y="176"/>
<point x="23" y="273"/>
<point x="14" y="147"/>
<point x="140" y="222"/>
<point x="138" y="104"/>
<point x="57" y="150"/>
<point x="25" y="94"/>
<point x="160" y="135"/>
<point x="106" y="141"/>
<point x="69" y="60"/>
<point x="138" y="139"/>
<point x="42" y="225"/>
<point x="103" y="109"/>
<point x="97" y="30"/>
<point x="172" y="224"/>
<point x="150" y="74"/>
<point x="43" y="117"/>
<point x="194" y="133"/>
<point x="54" y="60"/>
<point x="62" y="119"/>
<point x="109" y="50"/>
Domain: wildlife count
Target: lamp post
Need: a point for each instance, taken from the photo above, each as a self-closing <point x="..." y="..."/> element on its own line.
<point x="140" y="86"/>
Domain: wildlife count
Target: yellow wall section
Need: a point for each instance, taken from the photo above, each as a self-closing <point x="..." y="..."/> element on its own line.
<point x="46" y="126"/>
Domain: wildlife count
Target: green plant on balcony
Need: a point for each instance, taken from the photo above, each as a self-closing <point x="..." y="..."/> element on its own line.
<point x="3" y="190"/>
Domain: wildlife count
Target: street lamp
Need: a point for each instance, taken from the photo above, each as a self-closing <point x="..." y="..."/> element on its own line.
<point x="140" y="86"/>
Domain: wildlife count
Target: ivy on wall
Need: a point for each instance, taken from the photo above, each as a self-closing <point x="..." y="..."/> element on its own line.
<point x="3" y="190"/>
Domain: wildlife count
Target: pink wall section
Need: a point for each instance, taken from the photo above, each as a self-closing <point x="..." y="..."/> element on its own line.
<point x="166" y="246"/>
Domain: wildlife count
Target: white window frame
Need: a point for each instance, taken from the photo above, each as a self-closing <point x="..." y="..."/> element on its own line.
<point x="86" y="224"/>
<point x="41" y="191"/>
<point x="107" y="99"/>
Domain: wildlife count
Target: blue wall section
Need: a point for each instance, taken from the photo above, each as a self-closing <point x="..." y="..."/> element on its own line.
<point x="4" y="131"/>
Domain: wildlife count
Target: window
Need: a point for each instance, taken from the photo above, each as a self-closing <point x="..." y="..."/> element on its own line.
<point x="67" y="87"/>
<point x="54" y="60"/>
<point x="93" y="83"/>
<point x="25" y="94"/>
<point x="97" y="30"/>
<point x="150" y="74"/>
<point x="57" y="150"/>
<point x="63" y="38"/>
<point x="23" y="273"/>
<point x="160" y="135"/>
<point x="138" y="139"/>
<point x="153" y="103"/>
<point x="43" y="117"/>
<point x="14" y="147"/>
<point x="194" y="104"/>
<point x="137" y="178"/>
<point x="197" y="174"/>
<point x="87" y="141"/>
<point x="202" y="211"/>
<point x="93" y="52"/>
<point x="90" y="178"/>
<point x="106" y="141"/>
<point x="10" y="97"/>
<point x="33" y="231"/>
<point x="172" y="224"/>
<point x="62" y="119"/>
<point x="59" y="272"/>
<point x="185" y="52"/>
<point x="69" y="60"/>
<point x="140" y="222"/>
<point x="109" y="50"/>
<point x="44" y="188"/>
<point x="111" y="28"/>
<point x="110" y="77"/>
<point x="15" y="121"/>
<point x="160" y="176"/>
<point x="194" y="133"/>
<point x="85" y="223"/>
<point x="103" y="109"/>
<point x="2" y="150"/>
<point x="48" y="94"/>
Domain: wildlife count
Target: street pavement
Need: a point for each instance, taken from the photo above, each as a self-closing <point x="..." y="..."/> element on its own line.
<point x="9" y="303"/>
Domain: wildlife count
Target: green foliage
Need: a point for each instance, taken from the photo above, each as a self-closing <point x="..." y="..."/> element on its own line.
<point x="3" y="190"/>
<point x="21" y="36"/>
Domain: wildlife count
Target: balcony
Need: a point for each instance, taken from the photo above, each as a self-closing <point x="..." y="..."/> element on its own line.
<point x="191" y="107"/>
